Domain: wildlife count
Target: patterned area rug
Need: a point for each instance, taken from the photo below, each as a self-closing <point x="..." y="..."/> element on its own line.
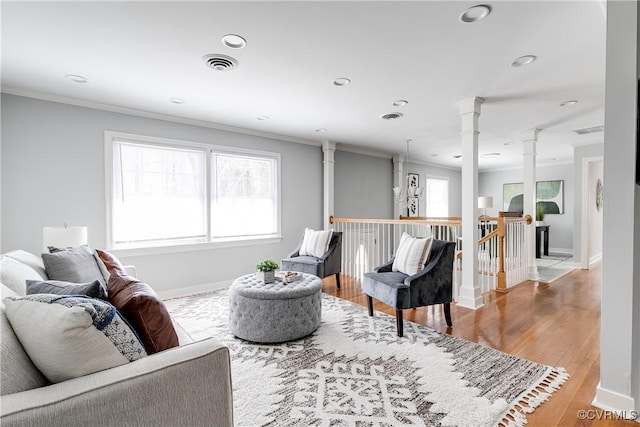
<point x="355" y="371"/>
<point x="553" y="266"/>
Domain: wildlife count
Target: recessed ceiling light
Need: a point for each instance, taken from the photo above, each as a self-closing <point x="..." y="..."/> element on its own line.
<point x="263" y="117"/>
<point x="321" y="130"/>
<point x="457" y="156"/>
<point x="400" y="102"/>
<point x="234" y="41"/>
<point x="177" y="100"/>
<point x="76" y="78"/>
<point x="391" y="116"/>
<point x="475" y="13"/>
<point x="341" y="81"/>
<point x="523" y="60"/>
<point x="568" y="103"/>
<point x="491" y="155"/>
<point x="509" y="143"/>
<point x="434" y="155"/>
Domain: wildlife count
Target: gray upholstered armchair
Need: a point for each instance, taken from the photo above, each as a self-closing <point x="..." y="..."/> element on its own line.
<point x="432" y="285"/>
<point x="330" y="263"/>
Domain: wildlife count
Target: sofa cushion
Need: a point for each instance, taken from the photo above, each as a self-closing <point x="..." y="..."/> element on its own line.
<point x="33" y="261"/>
<point x="94" y="289"/>
<point x="68" y="336"/>
<point x="110" y="261"/>
<point x="17" y="373"/>
<point x="315" y="243"/>
<point x="144" y="310"/>
<point x="412" y="253"/>
<point x="76" y="265"/>
<point x="15" y="274"/>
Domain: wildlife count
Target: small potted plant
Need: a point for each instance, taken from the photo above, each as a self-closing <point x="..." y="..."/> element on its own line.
<point x="267" y="269"/>
<point x="539" y="215"/>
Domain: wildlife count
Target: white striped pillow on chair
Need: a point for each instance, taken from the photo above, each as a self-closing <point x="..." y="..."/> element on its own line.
<point x="315" y="243"/>
<point x="412" y="254"/>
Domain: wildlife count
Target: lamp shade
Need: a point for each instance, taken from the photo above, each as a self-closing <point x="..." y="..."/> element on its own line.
<point x="62" y="237"/>
<point x="485" y="202"/>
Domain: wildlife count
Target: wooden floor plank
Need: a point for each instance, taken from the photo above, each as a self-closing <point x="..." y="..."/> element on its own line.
<point x="555" y="324"/>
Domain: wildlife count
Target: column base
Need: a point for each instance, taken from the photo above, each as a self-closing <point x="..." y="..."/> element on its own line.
<point x="533" y="273"/>
<point x="468" y="299"/>
<point x="615" y="402"/>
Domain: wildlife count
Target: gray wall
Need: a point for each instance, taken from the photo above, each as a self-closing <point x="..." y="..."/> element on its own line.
<point x="561" y="232"/>
<point x="620" y="315"/>
<point x="362" y="186"/>
<point x="579" y="154"/>
<point x="53" y="172"/>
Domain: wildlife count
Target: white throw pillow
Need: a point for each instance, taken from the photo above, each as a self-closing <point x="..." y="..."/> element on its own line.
<point x="315" y="243"/>
<point x="71" y="336"/>
<point x="14" y="275"/>
<point x="412" y="254"/>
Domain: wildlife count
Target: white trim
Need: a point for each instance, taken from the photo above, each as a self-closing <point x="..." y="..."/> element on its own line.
<point x="584" y="211"/>
<point x="610" y="400"/>
<point x="196" y="247"/>
<point x="566" y="251"/>
<point x="193" y="290"/>
<point x="151" y="115"/>
<point x="340" y="146"/>
<point x="595" y="258"/>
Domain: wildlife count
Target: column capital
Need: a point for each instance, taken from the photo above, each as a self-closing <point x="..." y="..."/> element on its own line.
<point x="328" y="145"/>
<point x="471" y="105"/>
<point x="530" y="134"/>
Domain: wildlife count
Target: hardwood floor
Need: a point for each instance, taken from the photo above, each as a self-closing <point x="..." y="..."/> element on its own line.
<point x="555" y="324"/>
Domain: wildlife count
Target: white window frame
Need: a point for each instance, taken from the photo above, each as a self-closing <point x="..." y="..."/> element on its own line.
<point x="169" y="247"/>
<point x="426" y="193"/>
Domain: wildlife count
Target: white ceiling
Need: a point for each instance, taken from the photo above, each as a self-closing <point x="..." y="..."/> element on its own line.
<point x="138" y="55"/>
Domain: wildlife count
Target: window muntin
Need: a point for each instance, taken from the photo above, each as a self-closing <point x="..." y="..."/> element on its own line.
<point x="437" y="197"/>
<point x="172" y="192"/>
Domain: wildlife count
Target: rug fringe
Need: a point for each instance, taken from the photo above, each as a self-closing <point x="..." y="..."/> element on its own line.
<point x="528" y="401"/>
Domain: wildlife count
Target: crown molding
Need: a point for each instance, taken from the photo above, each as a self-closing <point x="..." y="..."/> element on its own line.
<point x="151" y="115"/>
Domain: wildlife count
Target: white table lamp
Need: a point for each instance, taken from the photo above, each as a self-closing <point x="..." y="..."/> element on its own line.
<point x="63" y="237"/>
<point x="485" y="202"/>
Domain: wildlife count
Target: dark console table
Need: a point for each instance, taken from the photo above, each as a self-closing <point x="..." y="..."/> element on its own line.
<point x="542" y="231"/>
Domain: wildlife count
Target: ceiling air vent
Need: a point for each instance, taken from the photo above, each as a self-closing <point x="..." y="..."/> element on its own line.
<point x="391" y="116"/>
<point x="220" y="62"/>
<point x="586" y="131"/>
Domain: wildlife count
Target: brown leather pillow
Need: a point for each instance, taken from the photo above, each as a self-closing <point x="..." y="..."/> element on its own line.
<point x="142" y="308"/>
<point x="112" y="263"/>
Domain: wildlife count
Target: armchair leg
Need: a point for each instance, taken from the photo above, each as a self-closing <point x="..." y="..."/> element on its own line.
<point x="447" y="313"/>
<point x="370" y="305"/>
<point x="338" y="280"/>
<point x="399" y="324"/>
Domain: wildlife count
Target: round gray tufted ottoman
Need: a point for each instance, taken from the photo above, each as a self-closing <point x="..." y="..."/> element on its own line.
<point x="270" y="313"/>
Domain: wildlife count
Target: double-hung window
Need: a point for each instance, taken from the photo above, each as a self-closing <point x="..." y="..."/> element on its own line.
<point x="437" y="197"/>
<point x="165" y="192"/>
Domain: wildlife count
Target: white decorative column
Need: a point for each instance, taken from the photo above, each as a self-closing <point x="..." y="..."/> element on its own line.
<point x="529" y="139"/>
<point x="328" y="161"/>
<point x="398" y="181"/>
<point x="470" y="294"/>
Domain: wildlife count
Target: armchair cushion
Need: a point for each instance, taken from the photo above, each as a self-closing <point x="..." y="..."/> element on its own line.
<point x="71" y="336"/>
<point x="395" y="291"/>
<point x="315" y="243"/>
<point x="412" y="253"/>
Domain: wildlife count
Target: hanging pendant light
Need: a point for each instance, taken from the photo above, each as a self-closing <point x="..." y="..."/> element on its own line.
<point x="411" y="191"/>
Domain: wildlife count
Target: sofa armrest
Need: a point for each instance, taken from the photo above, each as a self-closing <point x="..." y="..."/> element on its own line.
<point x="130" y="270"/>
<point x="182" y="386"/>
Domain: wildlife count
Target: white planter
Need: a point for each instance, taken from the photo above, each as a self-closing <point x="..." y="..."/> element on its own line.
<point x="540" y="223"/>
<point x="267" y="276"/>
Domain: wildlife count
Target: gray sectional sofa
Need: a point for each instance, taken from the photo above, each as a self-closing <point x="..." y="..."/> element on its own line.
<point x="188" y="385"/>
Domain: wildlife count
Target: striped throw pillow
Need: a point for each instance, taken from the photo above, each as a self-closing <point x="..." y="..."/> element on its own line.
<point x="412" y="254"/>
<point x="315" y="243"/>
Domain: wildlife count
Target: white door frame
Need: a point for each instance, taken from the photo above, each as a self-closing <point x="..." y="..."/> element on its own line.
<point x="584" y="211"/>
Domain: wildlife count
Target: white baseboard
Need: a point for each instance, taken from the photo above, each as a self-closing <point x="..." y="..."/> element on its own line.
<point x="613" y="401"/>
<point x="564" y="251"/>
<point x="192" y="290"/>
<point x="595" y="258"/>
